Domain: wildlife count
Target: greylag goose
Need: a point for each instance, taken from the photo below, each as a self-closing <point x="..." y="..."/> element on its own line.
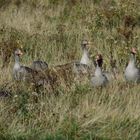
<point x="84" y="64"/>
<point x="132" y="73"/>
<point x="51" y="77"/>
<point x="99" y="78"/>
<point x="85" y="57"/>
<point x="21" y="72"/>
<point x="108" y="75"/>
<point x="39" y="65"/>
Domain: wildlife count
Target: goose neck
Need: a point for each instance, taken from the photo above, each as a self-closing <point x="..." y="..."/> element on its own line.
<point x="85" y="50"/>
<point x="132" y="60"/>
<point x="17" y="59"/>
<point x="85" y="57"/>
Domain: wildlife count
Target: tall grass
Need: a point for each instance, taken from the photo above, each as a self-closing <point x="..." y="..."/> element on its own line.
<point x="52" y="30"/>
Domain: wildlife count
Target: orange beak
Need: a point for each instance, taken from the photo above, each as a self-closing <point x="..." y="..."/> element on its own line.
<point x="19" y="52"/>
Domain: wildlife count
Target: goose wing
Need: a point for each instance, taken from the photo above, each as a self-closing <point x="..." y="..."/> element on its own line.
<point x="39" y="65"/>
<point x="81" y="68"/>
<point x="99" y="81"/>
<point x="108" y="75"/>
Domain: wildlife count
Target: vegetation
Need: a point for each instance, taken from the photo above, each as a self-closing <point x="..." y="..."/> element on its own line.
<point x="52" y="30"/>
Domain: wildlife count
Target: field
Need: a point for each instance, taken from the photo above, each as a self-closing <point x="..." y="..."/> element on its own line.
<point x="52" y="30"/>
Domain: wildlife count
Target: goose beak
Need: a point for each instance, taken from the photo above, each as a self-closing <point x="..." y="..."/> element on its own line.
<point x="19" y="52"/>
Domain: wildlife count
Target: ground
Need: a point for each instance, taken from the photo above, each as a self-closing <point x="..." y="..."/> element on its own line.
<point x="52" y="31"/>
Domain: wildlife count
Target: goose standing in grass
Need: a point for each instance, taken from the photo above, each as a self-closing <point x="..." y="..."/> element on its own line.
<point x="108" y="75"/>
<point x="85" y="57"/>
<point x="99" y="78"/>
<point x="84" y="64"/>
<point x="21" y="72"/>
<point x="39" y="65"/>
<point x="132" y="73"/>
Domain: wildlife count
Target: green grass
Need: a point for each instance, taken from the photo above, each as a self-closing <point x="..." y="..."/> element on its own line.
<point x="52" y="30"/>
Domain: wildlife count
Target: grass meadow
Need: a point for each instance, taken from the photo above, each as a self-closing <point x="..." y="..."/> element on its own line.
<point x="52" y="30"/>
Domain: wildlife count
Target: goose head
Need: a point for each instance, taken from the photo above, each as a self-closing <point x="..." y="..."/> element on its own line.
<point x="98" y="63"/>
<point x="99" y="60"/>
<point x="18" y="52"/>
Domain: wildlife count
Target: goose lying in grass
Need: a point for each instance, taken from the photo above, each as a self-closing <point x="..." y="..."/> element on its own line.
<point x="99" y="78"/>
<point x="39" y="65"/>
<point x="21" y="72"/>
<point x="58" y="75"/>
<point x="132" y="73"/>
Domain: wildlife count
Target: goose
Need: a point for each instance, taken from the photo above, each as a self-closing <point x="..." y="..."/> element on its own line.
<point x="99" y="78"/>
<point x="84" y="64"/>
<point x="21" y="72"/>
<point x="132" y="73"/>
<point x="99" y="58"/>
<point x="39" y="65"/>
<point x="85" y="57"/>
